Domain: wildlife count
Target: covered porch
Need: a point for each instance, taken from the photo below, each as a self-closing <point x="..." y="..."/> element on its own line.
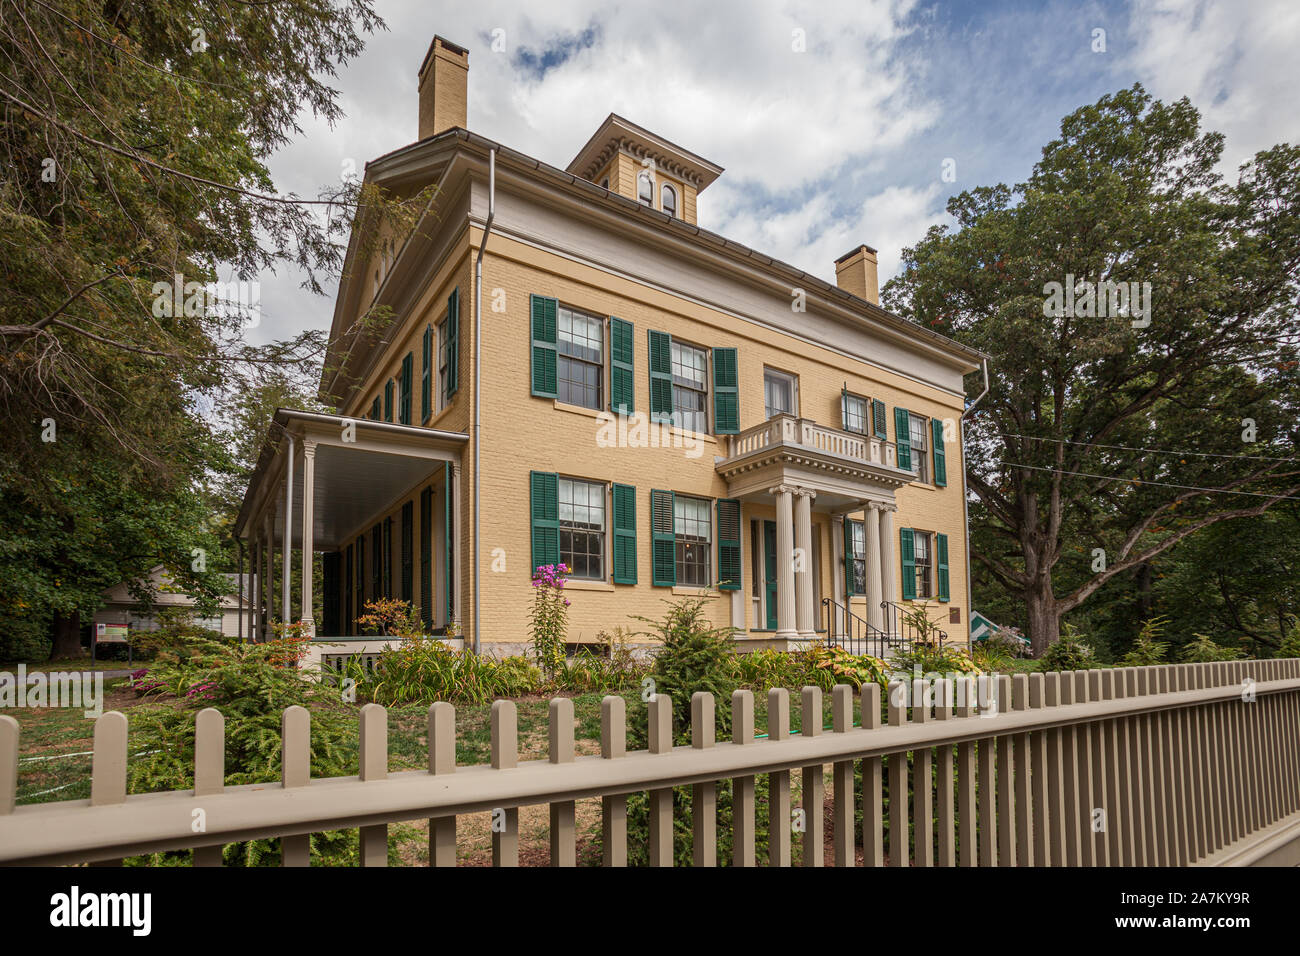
<point x="810" y="477"/>
<point x="379" y="501"/>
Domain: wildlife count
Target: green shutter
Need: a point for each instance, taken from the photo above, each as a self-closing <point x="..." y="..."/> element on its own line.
<point x="388" y="557"/>
<point x="545" y="503"/>
<point x="330" y="562"/>
<point x="940" y="456"/>
<point x="361" y="585"/>
<point x="844" y="408"/>
<point x="661" y="376"/>
<point x="624" y="534"/>
<point x="408" y="551"/>
<point x="388" y="400"/>
<point x="729" y="569"/>
<point x="426" y="558"/>
<point x="907" y="552"/>
<point x="620" y="366"/>
<point x="449" y="526"/>
<point x="374" y="410"/>
<point x="848" y="557"/>
<point x="662" y="543"/>
<point x="879" y="422"/>
<point x="941" y="562"/>
<point x="426" y="375"/>
<point x="726" y="394"/>
<point x="543" y="322"/>
<point x="453" y="342"/>
<point x="404" y="393"/>
<point x="903" y="438"/>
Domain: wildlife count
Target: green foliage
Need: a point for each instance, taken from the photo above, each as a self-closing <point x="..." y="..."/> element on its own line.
<point x="549" y="618"/>
<point x="1071" y="652"/>
<point x="693" y="656"/>
<point x="1148" y="649"/>
<point x="251" y="684"/>
<point x="1290" y="646"/>
<point x="1203" y="650"/>
<point x="931" y="658"/>
<point x="425" y="670"/>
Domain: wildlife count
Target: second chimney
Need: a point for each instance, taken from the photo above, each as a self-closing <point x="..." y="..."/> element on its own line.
<point x="856" y="272"/>
<point x="444" y="82"/>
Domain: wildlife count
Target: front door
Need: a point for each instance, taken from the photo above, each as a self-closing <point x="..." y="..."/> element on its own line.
<point x="769" y="572"/>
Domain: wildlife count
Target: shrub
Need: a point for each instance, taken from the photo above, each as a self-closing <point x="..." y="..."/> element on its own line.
<point x="931" y="659"/>
<point x="1147" y="648"/>
<point x="835" y="665"/>
<point x="425" y="670"/>
<point x="1290" y="646"/>
<point x="1070" y="652"/>
<point x="693" y="656"/>
<point x="250" y="684"/>
<point x="1203" y="650"/>
<point x="391" y="618"/>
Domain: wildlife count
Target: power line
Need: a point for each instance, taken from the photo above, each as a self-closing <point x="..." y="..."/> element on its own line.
<point x="1160" y="484"/>
<point x="1153" y="451"/>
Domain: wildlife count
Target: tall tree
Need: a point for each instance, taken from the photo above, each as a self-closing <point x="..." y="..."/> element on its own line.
<point x="134" y="135"/>
<point x="1118" y="424"/>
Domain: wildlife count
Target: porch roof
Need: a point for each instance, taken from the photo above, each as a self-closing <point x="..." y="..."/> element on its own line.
<point x="361" y="468"/>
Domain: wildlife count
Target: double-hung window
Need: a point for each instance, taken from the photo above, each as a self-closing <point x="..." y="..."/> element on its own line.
<point x="692" y="534"/>
<point x="924" y="557"/>
<point x="919" y="430"/>
<point x="858" y="570"/>
<point x="857" y="414"/>
<point x="780" y="393"/>
<point x="582" y="527"/>
<point x="690" y="387"/>
<point x="443" y="353"/>
<point x="580" y="348"/>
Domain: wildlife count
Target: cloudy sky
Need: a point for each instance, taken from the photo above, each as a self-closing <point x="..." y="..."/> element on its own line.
<point x="840" y="142"/>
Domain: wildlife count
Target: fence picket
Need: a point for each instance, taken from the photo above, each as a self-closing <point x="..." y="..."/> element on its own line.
<point x="295" y="771"/>
<point x="986" y="750"/>
<point x="374" y="766"/>
<point x="1006" y="780"/>
<point x="1023" y="770"/>
<point x="661" y="799"/>
<point x="946" y="854"/>
<point x="813" y="793"/>
<point x="742" y="788"/>
<point x="898" y="807"/>
<point x="778" y="781"/>
<point x="564" y="847"/>
<point x="704" y="796"/>
<point x="1056" y="849"/>
<point x="9" y="740"/>
<point x="922" y="786"/>
<point x="842" y="778"/>
<point x="209" y="770"/>
<point x="873" y="798"/>
<point x="108" y="766"/>
<point x="442" y="760"/>
<point x="966" y="778"/>
<point x="613" y="809"/>
<point x="1039" y="804"/>
<point x="505" y="756"/>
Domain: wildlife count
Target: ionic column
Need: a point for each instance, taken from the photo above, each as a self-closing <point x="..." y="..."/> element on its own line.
<point x="805" y="616"/>
<point x="286" y="546"/>
<point x="308" y="527"/>
<point x="785" y="610"/>
<point x="874" y="575"/>
<point x="838" y="572"/>
<point x="886" y="539"/>
<point x="268" y="602"/>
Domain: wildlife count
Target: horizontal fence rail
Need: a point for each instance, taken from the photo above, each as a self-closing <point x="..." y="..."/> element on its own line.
<point x="1145" y="766"/>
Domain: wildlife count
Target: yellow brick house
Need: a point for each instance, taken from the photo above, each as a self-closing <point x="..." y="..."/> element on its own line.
<point x="573" y="371"/>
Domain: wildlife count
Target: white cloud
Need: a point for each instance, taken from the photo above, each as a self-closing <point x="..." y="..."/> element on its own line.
<point x="1236" y="62"/>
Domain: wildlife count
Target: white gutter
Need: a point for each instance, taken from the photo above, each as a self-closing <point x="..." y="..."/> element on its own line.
<point x="478" y="375"/>
<point x="965" y="501"/>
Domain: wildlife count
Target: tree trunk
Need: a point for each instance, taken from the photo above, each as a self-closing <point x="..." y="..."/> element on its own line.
<point x="67" y="636"/>
<point x="1044" y="618"/>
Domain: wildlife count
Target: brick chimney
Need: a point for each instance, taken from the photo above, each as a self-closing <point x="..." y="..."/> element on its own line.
<point x="856" y="272"/>
<point x="444" y="80"/>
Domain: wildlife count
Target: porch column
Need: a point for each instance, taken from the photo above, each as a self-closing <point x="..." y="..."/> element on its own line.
<point x="785" y="610"/>
<point x="454" y="557"/>
<point x="838" y="571"/>
<point x="254" y="586"/>
<point x="886" y="544"/>
<point x="268" y="602"/>
<point x="308" y="526"/>
<point x="286" y="546"/>
<point x="875" y="582"/>
<point x="805" y="616"/>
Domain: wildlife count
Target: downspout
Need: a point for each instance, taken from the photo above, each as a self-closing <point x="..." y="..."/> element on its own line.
<point x="287" y="549"/>
<point x="965" y="501"/>
<point x="478" y="375"/>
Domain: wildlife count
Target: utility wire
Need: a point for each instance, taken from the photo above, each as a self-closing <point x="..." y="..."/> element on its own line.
<point x="1160" y="484"/>
<point x="1153" y="451"/>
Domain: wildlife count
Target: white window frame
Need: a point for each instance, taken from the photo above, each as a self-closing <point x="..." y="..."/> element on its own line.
<point x="665" y="189"/>
<point x="921" y="452"/>
<point x="924" y="582"/>
<point x="790" y="379"/>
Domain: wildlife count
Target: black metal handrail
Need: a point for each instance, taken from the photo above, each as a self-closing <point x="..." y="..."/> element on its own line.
<point x="896" y="623"/>
<point x="857" y="635"/>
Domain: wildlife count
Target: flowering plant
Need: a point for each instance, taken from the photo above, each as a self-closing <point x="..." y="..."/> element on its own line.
<point x="549" y="617"/>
